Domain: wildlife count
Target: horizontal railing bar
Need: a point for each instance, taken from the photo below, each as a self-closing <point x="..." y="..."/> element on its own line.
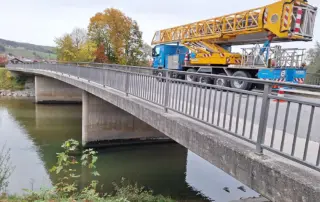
<point x="295" y="100"/>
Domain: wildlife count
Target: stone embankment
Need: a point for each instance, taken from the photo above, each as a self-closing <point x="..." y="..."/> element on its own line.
<point x="28" y="91"/>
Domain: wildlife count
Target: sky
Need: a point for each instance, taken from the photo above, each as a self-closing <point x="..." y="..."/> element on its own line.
<point x="40" y="21"/>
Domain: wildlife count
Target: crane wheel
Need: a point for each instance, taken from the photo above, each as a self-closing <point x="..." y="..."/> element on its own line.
<point x="241" y="84"/>
<point x="222" y="81"/>
<point x="191" y="78"/>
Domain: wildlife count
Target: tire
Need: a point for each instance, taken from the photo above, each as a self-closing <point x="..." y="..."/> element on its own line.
<point x="221" y="81"/>
<point x="191" y="77"/>
<point x="173" y="75"/>
<point x="159" y="74"/>
<point x="241" y="84"/>
<point x="205" y="80"/>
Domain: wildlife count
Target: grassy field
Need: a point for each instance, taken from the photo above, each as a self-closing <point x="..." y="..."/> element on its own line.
<point x="7" y="82"/>
<point x="30" y="54"/>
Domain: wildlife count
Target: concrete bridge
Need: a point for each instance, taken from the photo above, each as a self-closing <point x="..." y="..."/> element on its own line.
<point x="227" y="127"/>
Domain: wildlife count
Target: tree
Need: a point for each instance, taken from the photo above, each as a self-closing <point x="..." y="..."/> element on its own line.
<point x="98" y="32"/>
<point x="79" y="37"/>
<point x="119" y="34"/>
<point x="75" y="47"/>
<point x="146" y="54"/>
<point x="65" y="48"/>
<point x="100" y="55"/>
<point x="134" y="44"/>
<point x="313" y="58"/>
<point x="86" y="52"/>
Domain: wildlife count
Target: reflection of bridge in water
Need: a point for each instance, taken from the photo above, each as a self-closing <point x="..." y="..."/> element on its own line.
<point x="161" y="168"/>
<point x="98" y="88"/>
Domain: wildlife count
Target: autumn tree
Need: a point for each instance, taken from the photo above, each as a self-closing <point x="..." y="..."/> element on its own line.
<point x="86" y="52"/>
<point x="65" y="48"/>
<point x="120" y="35"/>
<point x="75" y="47"/>
<point x="100" y="55"/>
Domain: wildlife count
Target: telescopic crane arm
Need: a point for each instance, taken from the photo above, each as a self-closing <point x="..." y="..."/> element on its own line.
<point x="285" y="20"/>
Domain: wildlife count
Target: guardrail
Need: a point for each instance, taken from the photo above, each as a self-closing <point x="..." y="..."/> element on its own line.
<point x="283" y="125"/>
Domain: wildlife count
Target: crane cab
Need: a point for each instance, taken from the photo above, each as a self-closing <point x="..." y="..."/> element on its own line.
<point x="168" y="56"/>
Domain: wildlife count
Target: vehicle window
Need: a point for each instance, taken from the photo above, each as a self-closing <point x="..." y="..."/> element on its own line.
<point x="156" y="51"/>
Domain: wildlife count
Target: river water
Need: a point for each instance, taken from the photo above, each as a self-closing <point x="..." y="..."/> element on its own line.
<point x="34" y="133"/>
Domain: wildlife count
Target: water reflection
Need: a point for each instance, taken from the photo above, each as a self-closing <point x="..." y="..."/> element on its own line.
<point x="35" y="133"/>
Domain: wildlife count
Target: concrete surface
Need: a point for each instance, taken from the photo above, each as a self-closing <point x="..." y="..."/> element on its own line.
<point x="102" y="121"/>
<point x="273" y="177"/>
<point x="48" y="90"/>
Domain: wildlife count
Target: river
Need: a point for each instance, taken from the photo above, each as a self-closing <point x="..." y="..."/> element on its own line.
<point x="34" y="133"/>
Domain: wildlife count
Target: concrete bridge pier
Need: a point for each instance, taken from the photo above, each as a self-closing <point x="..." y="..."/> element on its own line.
<point x="49" y="90"/>
<point x="105" y="124"/>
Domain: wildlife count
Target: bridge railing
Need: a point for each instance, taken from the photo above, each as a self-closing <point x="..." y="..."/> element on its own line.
<point x="287" y="126"/>
<point x="313" y="79"/>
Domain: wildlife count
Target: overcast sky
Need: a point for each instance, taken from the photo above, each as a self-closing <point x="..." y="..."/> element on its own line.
<point x="40" y="21"/>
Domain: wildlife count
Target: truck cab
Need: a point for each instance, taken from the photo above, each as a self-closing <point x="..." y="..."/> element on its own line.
<point x="168" y="56"/>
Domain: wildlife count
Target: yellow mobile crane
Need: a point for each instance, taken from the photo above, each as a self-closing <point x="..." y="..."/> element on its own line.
<point x="206" y="44"/>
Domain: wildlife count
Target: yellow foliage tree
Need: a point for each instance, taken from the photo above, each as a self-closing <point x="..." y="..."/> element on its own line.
<point x="86" y="52"/>
<point x="75" y="47"/>
<point x="65" y="48"/>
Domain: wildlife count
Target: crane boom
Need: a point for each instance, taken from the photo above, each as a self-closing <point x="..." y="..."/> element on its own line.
<point x="288" y="20"/>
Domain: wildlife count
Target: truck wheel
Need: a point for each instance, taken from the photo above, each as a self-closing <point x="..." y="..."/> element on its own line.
<point x="191" y="78"/>
<point x="241" y="84"/>
<point x="173" y="75"/>
<point x="205" y="80"/>
<point x="160" y="74"/>
<point x="222" y="81"/>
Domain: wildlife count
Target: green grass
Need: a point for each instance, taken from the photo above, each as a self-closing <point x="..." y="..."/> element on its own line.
<point x="29" y="53"/>
<point x="8" y="82"/>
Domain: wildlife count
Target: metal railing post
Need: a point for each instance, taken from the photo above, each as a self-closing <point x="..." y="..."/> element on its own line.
<point x="127" y="80"/>
<point x="263" y="118"/>
<point x="166" y="93"/>
<point x="78" y="72"/>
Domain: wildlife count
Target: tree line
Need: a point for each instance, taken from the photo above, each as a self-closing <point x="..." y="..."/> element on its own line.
<point x="313" y="58"/>
<point x="111" y="37"/>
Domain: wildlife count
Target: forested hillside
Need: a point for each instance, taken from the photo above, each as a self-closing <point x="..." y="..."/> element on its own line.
<point x="27" y="50"/>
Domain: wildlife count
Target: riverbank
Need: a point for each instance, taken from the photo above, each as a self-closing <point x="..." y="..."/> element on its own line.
<point x="15" y="86"/>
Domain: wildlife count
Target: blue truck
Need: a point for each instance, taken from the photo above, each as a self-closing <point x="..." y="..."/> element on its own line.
<point x="266" y="65"/>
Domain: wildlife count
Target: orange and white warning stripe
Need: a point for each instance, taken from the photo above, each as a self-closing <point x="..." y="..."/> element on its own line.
<point x="265" y="18"/>
<point x="287" y="16"/>
<point x="221" y="55"/>
<point x="297" y="29"/>
<point x="207" y="55"/>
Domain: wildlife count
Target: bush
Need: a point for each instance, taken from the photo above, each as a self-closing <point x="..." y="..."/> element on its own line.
<point x="8" y="82"/>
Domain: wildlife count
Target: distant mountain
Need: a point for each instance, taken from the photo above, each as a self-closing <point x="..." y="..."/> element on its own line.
<point x="27" y="50"/>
